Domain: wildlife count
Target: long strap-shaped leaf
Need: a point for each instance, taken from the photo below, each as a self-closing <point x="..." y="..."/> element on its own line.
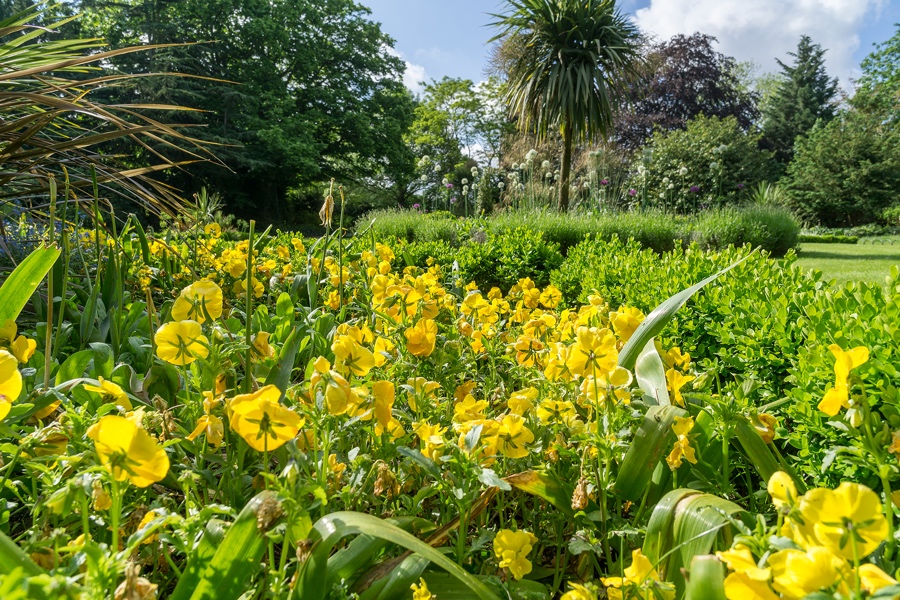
<point x="336" y="526"/>
<point x="12" y="557"/>
<point x="24" y="280"/>
<point x="228" y="571"/>
<point x="661" y="315"/>
<point x="651" y="441"/>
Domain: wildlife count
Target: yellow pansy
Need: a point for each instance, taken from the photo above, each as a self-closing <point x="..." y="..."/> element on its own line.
<point x="844" y="362"/>
<point x="782" y="489"/>
<point x="383" y="349"/>
<point x="625" y="321"/>
<point x="512" y="549"/>
<point x="676" y="381"/>
<point x="181" y="342"/>
<point x="550" y="297"/>
<point x="262" y="421"/>
<point x="23" y="348"/>
<point x="797" y="574"/>
<point x="740" y="560"/>
<point x="580" y="592"/>
<point x="522" y="401"/>
<point x="261" y="347"/>
<point x="594" y="352"/>
<point x="128" y="451"/>
<point x="469" y="409"/>
<point x="512" y="436"/>
<point x="638" y="576"/>
<point x="556" y="412"/>
<point x="198" y="300"/>
<point x="339" y="396"/>
<point x="682" y="449"/>
<point x="432" y="439"/>
<point x="209" y="423"/>
<point x="110" y="393"/>
<point x="872" y="579"/>
<point x="148" y="518"/>
<point x="740" y="586"/>
<point x="384" y="393"/>
<point x="848" y="520"/>
<point x="420" y="591"/>
<point x="10" y="382"/>
<point x="351" y="357"/>
<point x="421" y="338"/>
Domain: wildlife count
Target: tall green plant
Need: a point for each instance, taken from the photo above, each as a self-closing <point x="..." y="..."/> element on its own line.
<point x="571" y="60"/>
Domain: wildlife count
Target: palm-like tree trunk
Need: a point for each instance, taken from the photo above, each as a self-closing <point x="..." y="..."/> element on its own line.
<point x="566" y="169"/>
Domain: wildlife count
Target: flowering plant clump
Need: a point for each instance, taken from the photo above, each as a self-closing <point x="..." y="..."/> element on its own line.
<point x="246" y="403"/>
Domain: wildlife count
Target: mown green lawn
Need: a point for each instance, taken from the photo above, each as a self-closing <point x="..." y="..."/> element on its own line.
<point x="851" y="262"/>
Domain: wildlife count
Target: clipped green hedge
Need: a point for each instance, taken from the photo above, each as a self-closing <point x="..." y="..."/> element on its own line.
<point x="829" y="238"/>
<point x="769" y="227"/>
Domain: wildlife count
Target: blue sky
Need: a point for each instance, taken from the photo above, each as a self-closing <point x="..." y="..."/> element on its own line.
<point x="438" y="38"/>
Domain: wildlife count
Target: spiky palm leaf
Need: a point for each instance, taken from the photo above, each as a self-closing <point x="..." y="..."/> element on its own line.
<point x="572" y="58"/>
<point x="50" y="127"/>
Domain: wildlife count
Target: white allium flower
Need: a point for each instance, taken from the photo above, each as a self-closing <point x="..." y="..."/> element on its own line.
<point x="545" y="165"/>
<point x="683" y="171"/>
<point x="465" y="181"/>
<point x="437" y="168"/>
<point x="713" y="166"/>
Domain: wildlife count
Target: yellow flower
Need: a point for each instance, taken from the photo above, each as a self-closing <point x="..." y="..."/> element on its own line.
<point x="469" y="409"/>
<point x="766" y="427"/>
<point x="198" y="300"/>
<point x="432" y="439"/>
<point x="848" y="521"/>
<point x="384" y="393"/>
<point x="625" y="321"/>
<point x="639" y="575"/>
<point x="181" y="342"/>
<point x="128" y="451"/>
<point x="513" y="548"/>
<point x="351" y="357"/>
<point x="512" y="436"/>
<point x="797" y="573"/>
<point x="297" y="243"/>
<point x="594" y="353"/>
<point x="528" y="351"/>
<point x="383" y="349"/>
<point x="110" y="393"/>
<point x="740" y="560"/>
<point x="740" y="586"/>
<point x="339" y="397"/>
<point x="148" y="517"/>
<point x="210" y="423"/>
<point x="521" y="402"/>
<point x="556" y="412"/>
<point x="674" y="358"/>
<point x="262" y="421"/>
<point x="261" y="347"/>
<point x="682" y="449"/>
<point x="550" y="297"/>
<point x="844" y="362"/>
<point x="873" y="579"/>
<point x="421" y="337"/>
<point x="213" y="230"/>
<point x="10" y="382"/>
<point x="676" y="381"/>
<point x="23" y="348"/>
<point x="580" y="592"/>
<point x="782" y="489"/>
<point x="420" y="591"/>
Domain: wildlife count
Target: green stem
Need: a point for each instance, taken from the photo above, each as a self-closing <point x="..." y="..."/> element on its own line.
<point x="889" y="515"/>
<point x="245" y="385"/>
<point x="48" y="339"/>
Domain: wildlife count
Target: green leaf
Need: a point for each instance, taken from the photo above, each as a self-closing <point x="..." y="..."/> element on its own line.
<point x="280" y="375"/>
<point x="760" y="455"/>
<point x="660" y="317"/>
<point x="360" y="552"/>
<point x="336" y="526"/>
<point x="685" y="524"/>
<point x="236" y="559"/>
<point x="651" y="441"/>
<point x="547" y="487"/>
<point x="202" y="553"/>
<point x="12" y="557"/>
<point x="74" y="366"/>
<point x="707" y="580"/>
<point x="650" y="372"/>
<point x="24" y="280"/>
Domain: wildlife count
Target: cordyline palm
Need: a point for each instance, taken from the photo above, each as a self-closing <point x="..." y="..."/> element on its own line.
<point x="573" y="57"/>
<point x="50" y="127"/>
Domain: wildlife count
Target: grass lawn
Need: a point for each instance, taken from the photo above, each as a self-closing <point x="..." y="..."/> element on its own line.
<point x="851" y="262"/>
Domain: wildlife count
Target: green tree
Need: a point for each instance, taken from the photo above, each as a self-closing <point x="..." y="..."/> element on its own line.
<point x="572" y="61"/>
<point x="846" y="172"/>
<point x="805" y="95"/>
<point x="878" y="90"/>
<point x="294" y="91"/>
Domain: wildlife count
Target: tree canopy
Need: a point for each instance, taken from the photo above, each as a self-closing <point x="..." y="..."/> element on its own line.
<point x="683" y="78"/>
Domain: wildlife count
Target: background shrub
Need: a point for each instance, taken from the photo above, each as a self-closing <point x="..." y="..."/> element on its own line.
<point x="501" y="259"/>
<point x="844" y="173"/>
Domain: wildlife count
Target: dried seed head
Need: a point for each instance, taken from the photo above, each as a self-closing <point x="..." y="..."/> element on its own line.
<point x="580" y="497"/>
<point x="268" y="514"/>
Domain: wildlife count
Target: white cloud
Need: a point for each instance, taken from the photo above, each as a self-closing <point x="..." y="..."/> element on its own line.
<point x="414" y="76"/>
<point x="763" y="30"/>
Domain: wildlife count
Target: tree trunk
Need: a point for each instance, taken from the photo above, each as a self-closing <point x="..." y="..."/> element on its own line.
<point x="565" y="170"/>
